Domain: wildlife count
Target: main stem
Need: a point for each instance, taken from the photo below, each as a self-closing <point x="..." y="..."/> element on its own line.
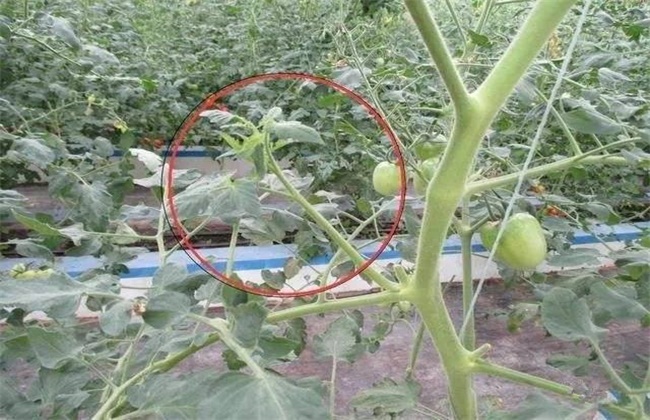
<point x="474" y="114"/>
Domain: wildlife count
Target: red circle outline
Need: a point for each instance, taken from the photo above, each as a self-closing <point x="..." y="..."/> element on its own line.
<point x="208" y="102"/>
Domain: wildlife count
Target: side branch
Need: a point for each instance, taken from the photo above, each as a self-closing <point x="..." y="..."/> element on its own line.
<point x="441" y="56"/>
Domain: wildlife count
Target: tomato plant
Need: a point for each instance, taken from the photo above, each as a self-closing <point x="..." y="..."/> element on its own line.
<point x="490" y="99"/>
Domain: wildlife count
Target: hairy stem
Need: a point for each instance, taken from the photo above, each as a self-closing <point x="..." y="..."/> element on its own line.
<point x="520" y="377"/>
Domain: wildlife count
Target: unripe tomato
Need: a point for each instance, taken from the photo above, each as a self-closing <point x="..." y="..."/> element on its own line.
<point x="522" y="245"/>
<point x="386" y="179"/>
<point x="427" y="169"/>
<point x="428" y="149"/>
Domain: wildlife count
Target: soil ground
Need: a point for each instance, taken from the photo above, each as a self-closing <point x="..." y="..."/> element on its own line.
<point x="526" y="350"/>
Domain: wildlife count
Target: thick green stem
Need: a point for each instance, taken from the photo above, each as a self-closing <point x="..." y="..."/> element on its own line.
<point x="514" y="63"/>
<point x="469" y="335"/>
<point x="474" y="114"/>
<point x="435" y="43"/>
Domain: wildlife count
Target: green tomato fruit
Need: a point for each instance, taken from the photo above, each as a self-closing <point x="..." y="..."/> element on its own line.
<point x="386" y="179"/>
<point x="427" y="169"/>
<point x="430" y="149"/>
<point x="34" y="274"/>
<point x="522" y="245"/>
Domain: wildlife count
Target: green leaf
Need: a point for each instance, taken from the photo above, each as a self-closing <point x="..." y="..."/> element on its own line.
<point x="297" y="331"/>
<point x="221" y="197"/>
<point x="537" y="407"/>
<point x="341" y="340"/>
<point x="58" y="296"/>
<point x="5" y="30"/>
<point x="11" y="200"/>
<point x="296" y="132"/>
<point x="75" y="233"/>
<point x="247" y="321"/>
<point x="61" y="388"/>
<point x="165" y="308"/>
<point x="610" y="304"/>
<point x="61" y="28"/>
<point x="574" y="256"/>
<point x="115" y="320"/>
<point x="33" y="151"/>
<point x="567" y="317"/>
<point x="52" y="348"/>
<point x="261" y="398"/>
<point x="578" y="366"/>
<point x="604" y="212"/>
<point x="479" y="39"/>
<point x="30" y="249"/>
<point x="589" y="121"/>
<point x="35" y="225"/>
<point x="95" y="203"/>
<point x="169" y="397"/>
<point x="388" y="397"/>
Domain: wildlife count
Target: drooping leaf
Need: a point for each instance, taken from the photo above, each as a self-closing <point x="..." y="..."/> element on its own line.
<point x="611" y="304"/>
<point x="589" y="121"/>
<point x="567" y="317"/>
<point x="574" y="256"/>
<point x="218" y="117"/>
<point x="165" y="308"/>
<point x="247" y="321"/>
<point x="262" y="398"/>
<point x="33" y="151"/>
<point x="52" y="347"/>
<point x="30" y="249"/>
<point x="296" y="132"/>
<point x="116" y="318"/>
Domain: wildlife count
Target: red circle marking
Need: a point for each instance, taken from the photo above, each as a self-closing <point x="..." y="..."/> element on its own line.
<point x="208" y="102"/>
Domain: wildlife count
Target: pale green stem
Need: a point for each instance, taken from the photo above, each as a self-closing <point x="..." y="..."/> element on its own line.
<point x="454" y="17"/>
<point x="437" y="47"/>
<point x="587" y="158"/>
<point x="473" y="116"/>
<point x="609" y="369"/>
<point x="520" y="377"/>
<point x="415" y="351"/>
<point x="469" y="336"/>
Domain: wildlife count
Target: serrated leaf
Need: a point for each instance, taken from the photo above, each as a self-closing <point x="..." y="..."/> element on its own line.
<point x="52" y="347"/>
<point x="247" y="321"/>
<point x="567" y="317"/>
<point x="589" y="121"/>
<point x="151" y="160"/>
<point x="341" y="340"/>
<point x="296" y="132"/>
<point x="388" y="397"/>
<point x="115" y="319"/>
<point x="274" y="398"/>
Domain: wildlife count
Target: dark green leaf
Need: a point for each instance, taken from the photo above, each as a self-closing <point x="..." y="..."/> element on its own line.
<point x="479" y="39"/>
